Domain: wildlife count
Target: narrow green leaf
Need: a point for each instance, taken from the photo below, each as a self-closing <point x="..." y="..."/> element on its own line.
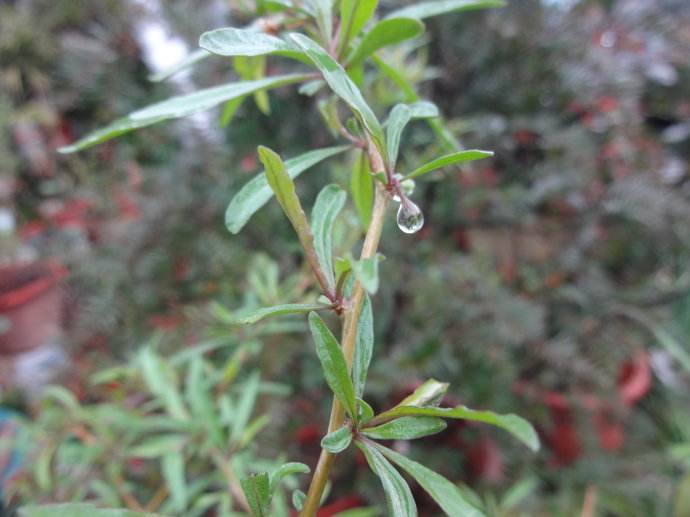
<point x="192" y="58"/>
<point x="284" y="189"/>
<point x="342" y="85"/>
<point x="328" y="205"/>
<point x="245" y="407"/>
<point x="449" y="159"/>
<point x="172" y="466"/>
<point x="180" y="106"/>
<point x="367" y="272"/>
<point x="429" y="9"/>
<point x="257" y="192"/>
<point x="229" y="110"/>
<point x="78" y="510"/>
<point x="364" y="347"/>
<point x="323" y="11"/>
<point x="407" y="428"/>
<point x="277" y="310"/>
<point x="298" y="499"/>
<point x="400" y="117"/>
<point x="354" y="15"/>
<point x="199" y="396"/>
<point x="257" y="491"/>
<point x="424" y="109"/>
<point x="338" y="440"/>
<point x="446" y="494"/>
<point x="161" y="381"/>
<point x="366" y="412"/>
<point x="384" y="33"/>
<point x="157" y="446"/>
<point x="398" y="495"/>
<point x="362" y="189"/>
<point x="428" y="394"/>
<point x="285" y="470"/>
<point x="333" y="364"/>
<point x="515" y="425"/>
<point x="245" y="42"/>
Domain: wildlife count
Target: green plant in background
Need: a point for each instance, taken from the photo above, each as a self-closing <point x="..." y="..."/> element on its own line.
<point x="338" y="40"/>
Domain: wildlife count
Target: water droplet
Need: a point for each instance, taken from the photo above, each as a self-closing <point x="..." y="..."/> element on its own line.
<point x="410" y="217"/>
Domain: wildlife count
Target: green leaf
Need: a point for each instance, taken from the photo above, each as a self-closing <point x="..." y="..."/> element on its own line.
<point x="157" y="446"/>
<point x="338" y="440"/>
<point x="257" y="192"/>
<point x="161" y="381"/>
<point x="180" y="106"/>
<point x="428" y="394"/>
<point x="172" y="466"/>
<point x="285" y="470"/>
<point x="77" y="510"/>
<point x="400" y="117"/>
<point x="277" y="310"/>
<point x="407" y="428"/>
<point x="384" y="33"/>
<point x="192" y="58"/>
<point x="333" y="364"/>
<point x="342" y="86"/>
<point x="244" y="42"/>
<point x="515" y="425"/>
<point x="398" y="496"/>
<point x="362" y="189"/>
<point x="257" y="491"/>
<point x="446" y="494"/>
<point x="199" y="396"/>
<point x="367" y="272"/>
<point x="229" y="110"/>
<point x="449" y="159"/>
<point x="298" y="498"/>
<point x="328" y="205"/>
<point x="429" y="9"/>
<point x="323" y="11"/>
<point x="366" y="412"/>
<point x="424" y="109"/>
<point x="245" y="407"/>
<point x="354" y="15"/>
<point x="364" y="347"/>
<point x="284" y="189"/>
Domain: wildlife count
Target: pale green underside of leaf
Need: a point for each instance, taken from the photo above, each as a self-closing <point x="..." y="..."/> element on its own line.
<point x="338" y="440"/>
<point x="446" y="494"/>
<point x="285" y="470"/>
<point x="342" y="85"/>
<point x="328" y="205"/>
<point x="428" y="9"/>
<point x="333" y="363"/>
<point x="354" y="14"/>
<point x="180" y="106"/>
<point x="515" y="425"/>
<point x="367" y="272"/>
<point x="450" y="159"/>
<point x="277" y="310"/>
<point x="429" y="393"/>
<point x="406" y="428"/>
<point x="385" y="33"/>
<point x="77" y="510"/>
<point x="244" y="42"/>
<point x="256" y="193"/>
<point x="192" y="58"/>
<point x="398" y="495"/>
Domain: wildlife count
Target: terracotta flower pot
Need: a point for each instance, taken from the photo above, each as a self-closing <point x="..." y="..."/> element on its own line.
<point x="31" y="301"/>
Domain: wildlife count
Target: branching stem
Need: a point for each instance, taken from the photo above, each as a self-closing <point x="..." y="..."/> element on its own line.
<point x="348" y="341"/>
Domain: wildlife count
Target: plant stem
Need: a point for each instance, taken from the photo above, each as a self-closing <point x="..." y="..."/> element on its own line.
<point x="348" y="343"/>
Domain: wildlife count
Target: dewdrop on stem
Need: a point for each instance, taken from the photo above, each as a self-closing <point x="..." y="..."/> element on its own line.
<point x="410" y="217"/>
